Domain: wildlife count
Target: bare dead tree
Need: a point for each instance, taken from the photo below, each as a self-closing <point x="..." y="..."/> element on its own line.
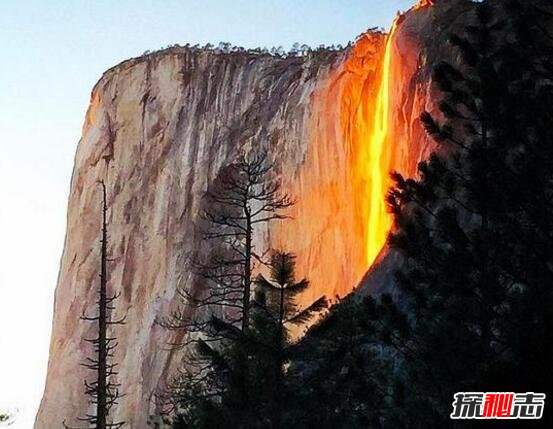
<point x="216" y="309"/>
<point x="243" y="197"/>
<point x="103" y="391"/>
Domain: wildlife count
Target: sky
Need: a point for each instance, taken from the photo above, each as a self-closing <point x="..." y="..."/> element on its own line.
<point x="53" y="52"/>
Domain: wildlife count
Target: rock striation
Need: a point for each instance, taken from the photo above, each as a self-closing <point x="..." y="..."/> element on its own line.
<point x="158" y="130"/>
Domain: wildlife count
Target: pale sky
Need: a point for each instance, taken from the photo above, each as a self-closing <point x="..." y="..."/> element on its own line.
<point x="53" y="51"/>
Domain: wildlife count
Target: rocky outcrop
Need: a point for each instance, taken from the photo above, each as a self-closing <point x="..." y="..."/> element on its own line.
<point x="158" y="130"/>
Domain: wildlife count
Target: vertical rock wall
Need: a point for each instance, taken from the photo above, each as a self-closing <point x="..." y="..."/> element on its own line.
<point x="158" y="130"/>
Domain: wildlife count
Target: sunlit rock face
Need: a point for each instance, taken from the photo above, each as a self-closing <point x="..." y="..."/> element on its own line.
<point x="158" y="130"/>
<point x="365" y="123"/>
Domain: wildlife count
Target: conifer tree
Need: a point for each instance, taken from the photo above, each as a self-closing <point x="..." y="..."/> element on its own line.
<point x="242" y="198"/>
<point x="476" y="233"/>
<point x="474" y="312"/>
<point x="103" y="390"/>
<point x="338" y="377"/>
<point x="276" y="311"/>
<point x="473" y="230"/>
<point x="216" y="310"/>
<point x="268" y="346"/>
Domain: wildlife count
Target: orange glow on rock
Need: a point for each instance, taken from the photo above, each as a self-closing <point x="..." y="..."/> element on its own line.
<point x="91" y="114"/>
<point x="377" y="163"/>
<point x="362" y="124"/>
<point x="423" y="3"/>
<point x="328" y="232"/>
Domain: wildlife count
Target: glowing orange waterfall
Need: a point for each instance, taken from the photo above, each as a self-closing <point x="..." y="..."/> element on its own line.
<point x="377" y="167"/>
<point x="362" y="125"/>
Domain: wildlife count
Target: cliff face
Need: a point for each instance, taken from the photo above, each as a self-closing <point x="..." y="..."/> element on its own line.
<point x="158" y="130"/>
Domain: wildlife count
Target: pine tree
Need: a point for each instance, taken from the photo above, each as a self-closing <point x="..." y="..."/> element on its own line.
<point x="216" y="311"/>
<point x="241" y="199"/>
<point x="268" y="347"/>
<point x="475" y="228"/>
<point x="276" y="311"/>
<point x="103" y="391"/>
<point x="339" y="373"/>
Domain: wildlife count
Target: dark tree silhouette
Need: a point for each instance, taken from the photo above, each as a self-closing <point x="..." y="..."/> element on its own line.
<point x="103" y="391"/>
<point x="339" y="376"/>
<point x="472" y="228"/>
<point x="275" y="310"/>
<point x="219" y="399"/>
<point x="216" y="310"/>
<point x="243" y="197"/>
<point x="473" y="307"/>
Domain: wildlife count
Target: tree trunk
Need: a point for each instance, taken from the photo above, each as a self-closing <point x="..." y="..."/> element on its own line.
<point x="277" y="410"/>
<point x="247" y="273"/>
<point x="101" y="411"/>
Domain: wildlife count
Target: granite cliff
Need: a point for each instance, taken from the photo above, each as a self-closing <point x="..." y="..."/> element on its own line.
<point x="158" y="130"/>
